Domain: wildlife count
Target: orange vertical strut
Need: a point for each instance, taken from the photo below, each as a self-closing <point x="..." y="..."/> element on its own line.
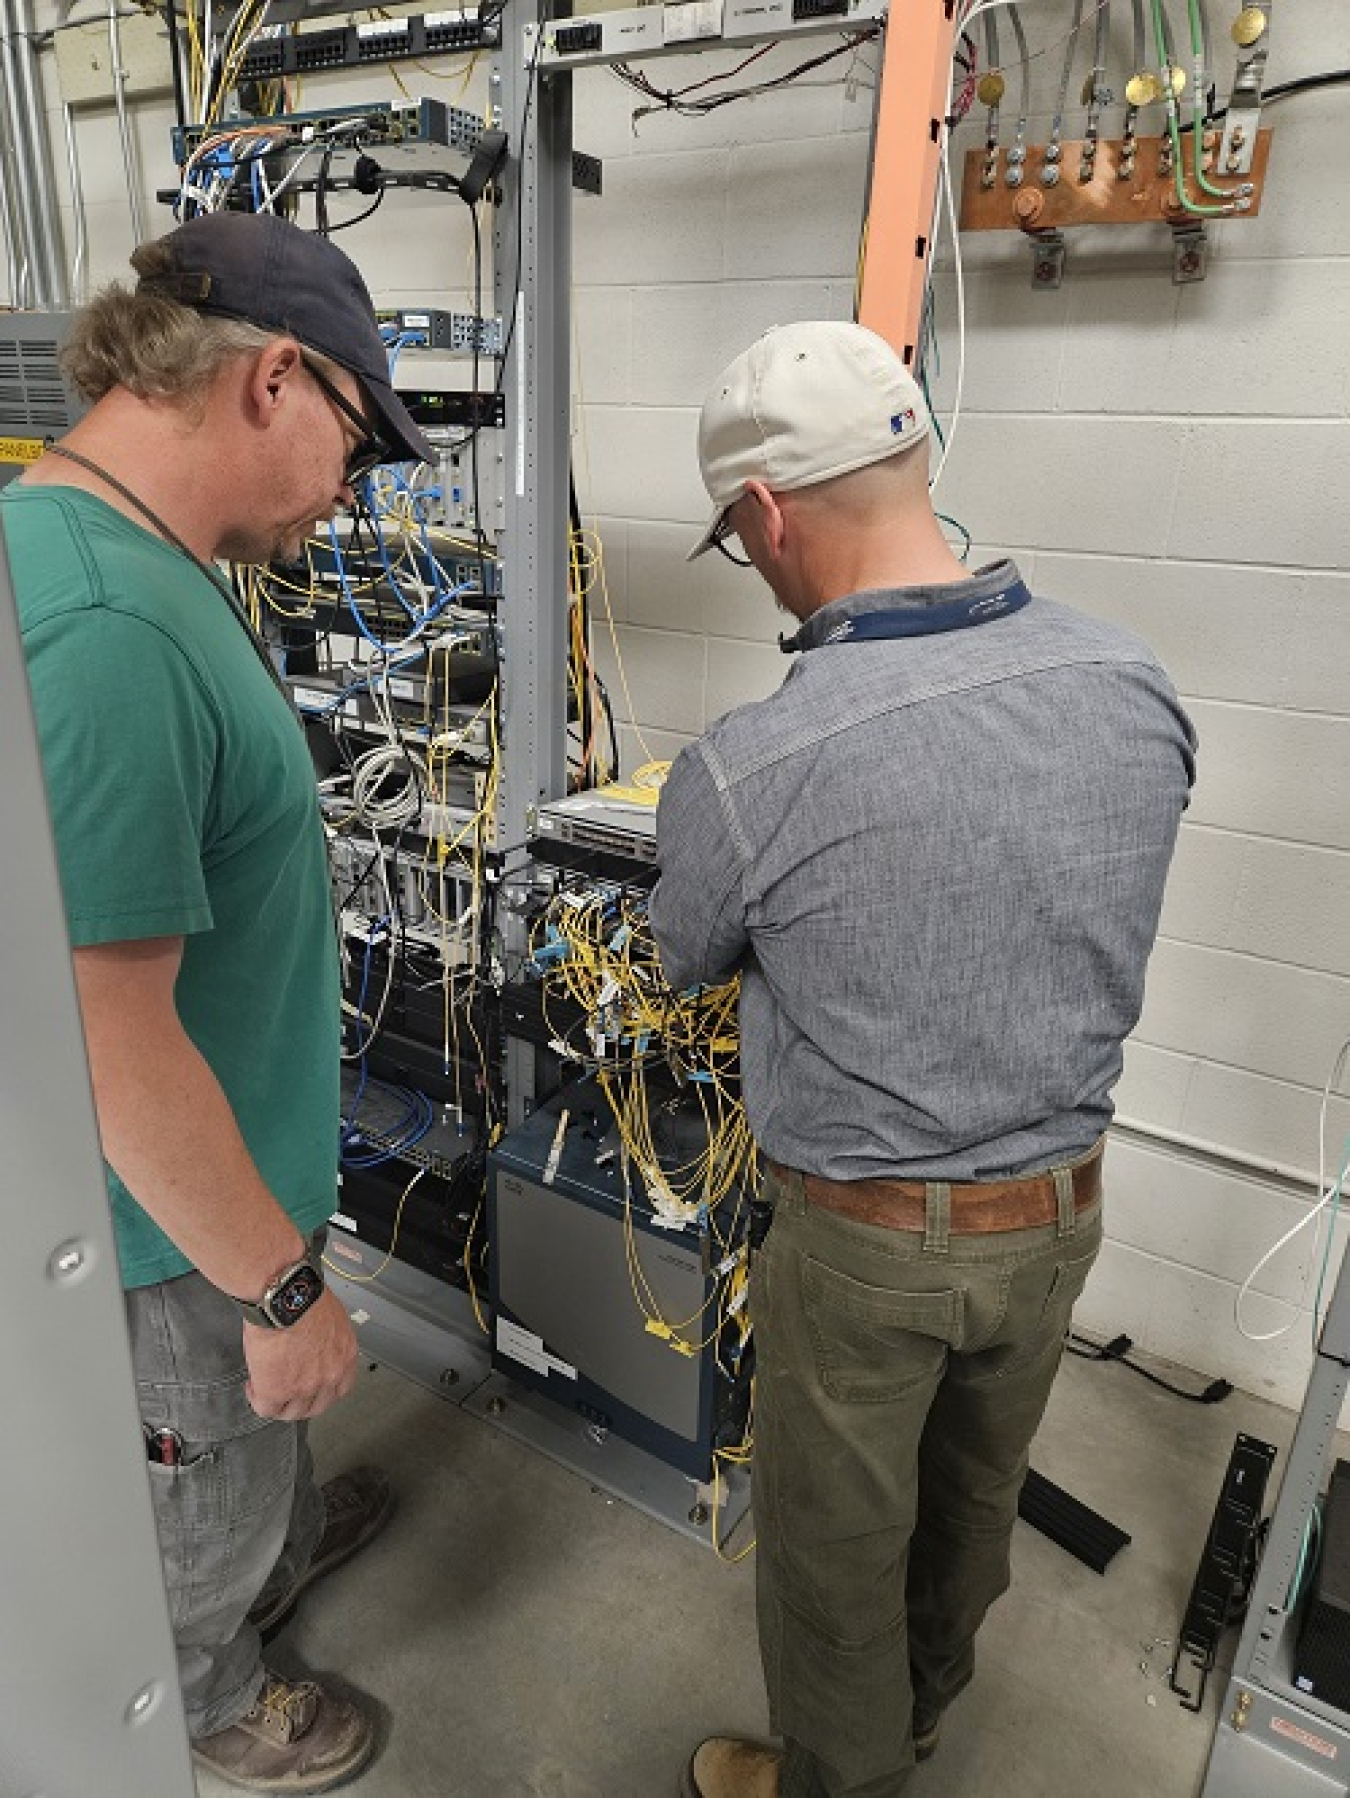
<point x="911" y="105"/>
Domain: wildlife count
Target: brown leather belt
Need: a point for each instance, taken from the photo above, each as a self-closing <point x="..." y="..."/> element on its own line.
<point x="976" y="1206"/>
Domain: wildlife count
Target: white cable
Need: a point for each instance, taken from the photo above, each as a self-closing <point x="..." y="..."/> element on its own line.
<point x="293" y="171"/>
<point x="370" y="770"/>
<point x="1326" y="1195"/>
<point x="945" y="191"/>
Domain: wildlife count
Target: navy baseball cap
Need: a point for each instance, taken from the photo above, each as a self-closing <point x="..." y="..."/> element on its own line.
<point x="265" y="271"/>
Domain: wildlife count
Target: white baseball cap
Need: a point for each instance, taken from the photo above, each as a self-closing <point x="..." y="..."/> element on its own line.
<point x="803" y="404"/>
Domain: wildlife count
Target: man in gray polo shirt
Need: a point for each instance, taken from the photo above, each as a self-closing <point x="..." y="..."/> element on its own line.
<point x="936" y="856"/>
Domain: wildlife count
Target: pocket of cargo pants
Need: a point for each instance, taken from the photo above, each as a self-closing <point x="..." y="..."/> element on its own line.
<point x="873" y="1343"/>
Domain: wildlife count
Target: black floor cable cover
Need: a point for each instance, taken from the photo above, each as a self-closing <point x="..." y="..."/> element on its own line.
<point x="1089" y="1537"/>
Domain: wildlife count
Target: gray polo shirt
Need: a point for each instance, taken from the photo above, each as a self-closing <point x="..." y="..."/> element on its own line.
<point x="938" y="863"/>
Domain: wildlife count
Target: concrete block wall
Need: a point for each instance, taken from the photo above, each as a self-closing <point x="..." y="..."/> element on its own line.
<point x="1177" y="459"/>
<point x="1171" y="458"/>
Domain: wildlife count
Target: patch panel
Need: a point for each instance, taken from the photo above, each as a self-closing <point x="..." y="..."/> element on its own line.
<point x="630" y="33"/>
<point x="380" y="40"/>
<point x="428" y="328"/>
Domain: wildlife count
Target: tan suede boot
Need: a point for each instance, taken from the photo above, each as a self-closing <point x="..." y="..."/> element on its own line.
<point x="297" y="1738"/>
<point x="731" y="1767"/>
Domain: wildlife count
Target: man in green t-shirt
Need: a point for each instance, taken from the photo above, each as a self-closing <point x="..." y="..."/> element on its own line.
<point x="238" y="392"/>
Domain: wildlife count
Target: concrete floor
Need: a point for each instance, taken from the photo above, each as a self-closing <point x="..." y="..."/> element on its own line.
<point x="524" y="1636"/>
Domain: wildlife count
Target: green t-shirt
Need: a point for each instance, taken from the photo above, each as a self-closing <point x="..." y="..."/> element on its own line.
<point x="183" y="804"/>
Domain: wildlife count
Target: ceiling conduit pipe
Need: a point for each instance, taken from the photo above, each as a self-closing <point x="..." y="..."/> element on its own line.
<point x="129" y="154"/>
<point x="77" y="269"/>
<point x="48" y="253"/>
<point x="19" y="183"/>
<point x="9" y="220"/>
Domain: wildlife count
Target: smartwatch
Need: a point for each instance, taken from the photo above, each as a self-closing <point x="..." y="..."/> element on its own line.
<point x="288" y="1297"/>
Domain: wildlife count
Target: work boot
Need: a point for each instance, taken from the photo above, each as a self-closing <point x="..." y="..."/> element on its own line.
<point x="296" y="1738"/>
<point x="356" y="1506"/>
<point x="731" y="1767"/>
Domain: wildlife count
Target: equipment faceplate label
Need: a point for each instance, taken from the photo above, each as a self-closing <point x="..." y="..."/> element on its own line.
<point x="1318" y="1744"/>
<point x="525" y="1346"/>
<point x="21" y="449"/>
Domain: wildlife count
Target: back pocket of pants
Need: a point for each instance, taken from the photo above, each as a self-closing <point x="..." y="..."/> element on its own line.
<point x="871" y="1343"/>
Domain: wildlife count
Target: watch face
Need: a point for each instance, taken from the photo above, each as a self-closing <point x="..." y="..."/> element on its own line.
<point x="296" y="1293"/>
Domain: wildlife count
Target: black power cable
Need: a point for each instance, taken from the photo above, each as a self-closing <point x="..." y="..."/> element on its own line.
<point x="1118" y="1349"/>
<point x="1284" y="90"/>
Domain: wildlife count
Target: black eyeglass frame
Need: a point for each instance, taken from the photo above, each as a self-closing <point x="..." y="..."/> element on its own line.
<point x="718" y="540"/>
<point x="372" y="450"/>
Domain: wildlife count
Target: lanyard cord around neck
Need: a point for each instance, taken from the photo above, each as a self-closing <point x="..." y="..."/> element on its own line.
<point x="176" y="542"/>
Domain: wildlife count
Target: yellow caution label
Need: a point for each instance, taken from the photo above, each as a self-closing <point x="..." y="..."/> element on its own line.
<point x="21" y="449"/>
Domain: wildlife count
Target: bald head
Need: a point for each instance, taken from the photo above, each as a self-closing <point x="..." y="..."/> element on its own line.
<point x="867" y="498"/>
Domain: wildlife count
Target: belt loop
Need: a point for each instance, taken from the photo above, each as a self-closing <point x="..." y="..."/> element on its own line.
<point x="794" y="1192"/>
<point x="937" y="1216"/>
<point x="1066" y="1223"/>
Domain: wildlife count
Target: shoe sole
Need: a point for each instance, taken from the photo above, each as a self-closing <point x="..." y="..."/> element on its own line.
<point x="325" y="1782"/>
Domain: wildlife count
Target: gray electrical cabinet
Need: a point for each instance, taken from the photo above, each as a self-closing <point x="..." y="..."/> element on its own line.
<point x="1274" y="1739"/>
<point x="87" y="1664"/>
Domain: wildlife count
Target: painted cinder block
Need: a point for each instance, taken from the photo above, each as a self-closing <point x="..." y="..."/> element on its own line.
<point x="1263" y="491"/>
<point x="1279" y="900"/>
<point x="636" y="748"/>
<point x="655" y="678"/>
<point x="1191" y="1322"/>
<point x="1221" y="632"/>
<point x="1261" y="1117"/>
<point x="643" y="463"/>
<point x="1060" y="483"/>
<point x="1224" y="1225"/>
<point x="668" y="592"/>
<point x="806" y="213"/>
<point x="606" y="556"/>
<point x="1153" y="1084"/>
<point x="1295" y="218"/>
<point x="660" y="221"/>
<point x="1118" y="1297"/>
<point x="739" y="672"/>
<point x="1137" y="345"/>
<point x="1315" y="678"/>
<point x="1244" y="1012"/>
<point x="1203" y="886"/>
<point x="1014" y="342"/>
<point x="684" y="336"/>
<point x="1291" y="905"/>
<point x="602" y="346"/>
<point x="1278" y="774"/>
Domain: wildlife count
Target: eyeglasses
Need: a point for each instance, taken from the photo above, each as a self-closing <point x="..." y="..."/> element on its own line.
<point x="723" y="529"/>
<point x="371" y="449"/>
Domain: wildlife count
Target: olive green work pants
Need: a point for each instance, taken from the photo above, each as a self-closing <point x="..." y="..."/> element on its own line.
<point x="901" y="1375"/>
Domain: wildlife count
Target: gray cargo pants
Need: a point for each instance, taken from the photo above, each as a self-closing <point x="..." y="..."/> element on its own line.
<point x="239" y="1517"/>
<point x="901" y="1375"/>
